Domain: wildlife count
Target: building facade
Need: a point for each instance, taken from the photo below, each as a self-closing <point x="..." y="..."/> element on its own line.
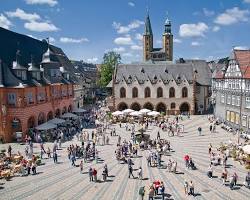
<point x="157" y="54"/>
<point x="231" y="90"/>
<point x="164" y="87"/>
<point x="35" y="84"/>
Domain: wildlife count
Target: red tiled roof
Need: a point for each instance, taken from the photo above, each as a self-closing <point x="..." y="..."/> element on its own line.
<point x="243" y="58"/>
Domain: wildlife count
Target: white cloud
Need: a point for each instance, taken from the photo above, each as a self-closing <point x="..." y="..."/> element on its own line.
<point x="136" y="47"/>
<point x="241" y="48"/>
<point x="4" y="22"/>
<point x="193" y="30"/>
<point x="232" y="16"/>
<point x="131" y="4"/>
<point x="138" y="36"/>
<point x="158" y="41"/>
<point x="125" y="29"/>
<point x="176" y="40"/>
<point x="195" y="43"/>
<point x="127" y="54"/>
<point x="21" y="14"/>
<point x="40" y="26"/>
<point x="207" y="12"/>
<point x="216" y="28"/>
<point x="123" y="41"/>
<point x="246" y="1"/>
<point x="92" y="60"/>
<point x="48" y="2"/>
<point x="73" y="40"/>
<point x="119" y="49"/>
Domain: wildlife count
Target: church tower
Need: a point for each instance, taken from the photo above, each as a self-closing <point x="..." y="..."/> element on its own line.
<point x="168" y="41"/>
<point x="147" y="39"/>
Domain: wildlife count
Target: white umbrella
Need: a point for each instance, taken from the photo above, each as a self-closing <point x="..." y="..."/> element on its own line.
<point x="127" y="111"/>
<point x="117" y="113"/>
<point x="144" y="111"/>
<point x="56" y="121"/>
<point x="79" y="110"/>
<point x="135" y="114"/>
<point x="153" y="113"/>
<point x="69" y="115"/>
<point x="246" y="149"/>
<point x="46" y="126"/>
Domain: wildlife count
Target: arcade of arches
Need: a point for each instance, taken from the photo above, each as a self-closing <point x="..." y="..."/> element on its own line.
<point x="135" y="106"/>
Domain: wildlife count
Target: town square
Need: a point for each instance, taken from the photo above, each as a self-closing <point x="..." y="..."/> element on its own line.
<point x="124" y="100"/>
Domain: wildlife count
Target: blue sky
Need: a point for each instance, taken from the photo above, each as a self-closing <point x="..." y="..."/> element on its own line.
<point x="85" y="29"/>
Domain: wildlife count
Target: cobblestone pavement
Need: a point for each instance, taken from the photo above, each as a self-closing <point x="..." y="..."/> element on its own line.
<point x="62" y="181"/>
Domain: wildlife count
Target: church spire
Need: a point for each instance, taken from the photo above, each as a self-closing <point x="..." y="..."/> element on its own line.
<point x="148" y="29"/>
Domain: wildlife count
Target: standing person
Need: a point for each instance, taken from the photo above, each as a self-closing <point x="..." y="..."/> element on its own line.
<point x="73" y="159"/>
<point x="130" y="171"/>
<point x="9" y="150"/>
<point x="142" y="192"/>
<point x="214" y="128"/>
<point x="162" y="190"/>
<point x="119" y="139"/>
<point x="211" y="128"/>
<point x="191" y="188"/>
<point x="104" y="175"/>
<point x="55" y="157"/>
<point x="186" y="159"/>
<point x="224" y="176"/>
<point x="209" y="148"/>
<point x="81" y="167"/>
<point x="151" y="193"/>
<point x="235" y="176"/>
<point x="158" y="135"/>
<point x="48" y="153"/>
<point x="106" y="169"/>
<point x="199" y="130"/>
<point x="247" y="179"/>
<point x="140" y="173"/>
<point x="95" y="174"/>
<point x="90" y="174"/>
<point x="186" y="187"/>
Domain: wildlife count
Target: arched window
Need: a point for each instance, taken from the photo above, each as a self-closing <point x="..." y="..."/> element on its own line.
<point x="122" y="92"/>
<point x="184" y="92"/>
<point x="172" y="106"/>
<point x="147" y="92"/>
<point x="159" y="92"/>
<point x="135" y="92"/>
<point x="171" y="92"/>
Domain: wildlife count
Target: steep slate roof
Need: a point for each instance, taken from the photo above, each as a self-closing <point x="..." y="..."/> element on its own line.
<point x="165" y="71"/>
<point x="148" y="29"/>
<point x="243" y="58"/>
<point x="28" y="47"/>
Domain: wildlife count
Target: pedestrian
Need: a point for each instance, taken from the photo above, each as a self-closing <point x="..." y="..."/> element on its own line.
<point x="130" y="171"/>
<point x="158" y="135"/>
<point x="209" y="148"/>
<point x="140" y="173"/>
<point x="199" y="130"/>
<point x="162" y="190"/>
<point x="224" y="176"/>
<point x="185" y="187"/>
<point x="55" y="157"/>
<point x="104" y="175"/>
<point x="211" y="128"/>
<point x="210" y="172"/>
<point x="49" y="153"/>
<point x="191" y="188"/>
<point x="81" y="167"/>
<point x="33" y="168"/>
<point x="247" y="180"/>
<point x="9" y="150"/>
<point x="95" y="174"/>
<point x="142" y="192"/>
<point x="90" y="174"/>
<point x="151" y="193"/>
<point x="73" y="159"/>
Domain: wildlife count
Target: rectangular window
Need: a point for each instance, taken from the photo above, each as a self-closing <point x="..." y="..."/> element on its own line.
<point x="238" y="101"/>
<point x="244" y="120"/>
<point x="11" y="98"/>
<point x="233" y="100"/>
<point x="237" y="118"/>
<point x="232" y="117"/>
<point x="222" y="98"/>
<point x="247" y="102"/>
<point x="228" y="115"/>
<point x="41" y="96"/>
<point x="29" y="97"/>
<point x="229" y="99"/>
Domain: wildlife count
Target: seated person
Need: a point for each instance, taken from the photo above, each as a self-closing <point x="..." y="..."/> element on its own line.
<point x="191" y="164"/>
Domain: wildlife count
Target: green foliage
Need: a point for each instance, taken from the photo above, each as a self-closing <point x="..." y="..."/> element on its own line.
<point x="110" y="60"/>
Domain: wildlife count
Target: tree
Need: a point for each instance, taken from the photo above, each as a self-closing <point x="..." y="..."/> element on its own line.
<point x="110" y="60"/>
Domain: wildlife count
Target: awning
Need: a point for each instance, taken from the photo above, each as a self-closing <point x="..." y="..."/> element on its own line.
<point x="79" y="110"/>
<point x="69" y="115"/>
<point x="46" y="126"/>
<point x="56" y="121"/>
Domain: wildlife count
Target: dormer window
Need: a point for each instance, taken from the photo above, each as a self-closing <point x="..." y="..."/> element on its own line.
<point x="21" y="74"/>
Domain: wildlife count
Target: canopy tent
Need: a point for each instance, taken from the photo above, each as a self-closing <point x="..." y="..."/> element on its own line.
<point x="144" y="111"/>
<point x="46" y="126"/>
<point x="126" y="111"/>
<point x="135" y="114"/>
<point x="79" y="110"/>
<point x="56" y="121"/>
<point x="246" y="149"/>
<point x="117" y="113"/>
<point x="69" y="115"/>
<point x="153" y="113"/>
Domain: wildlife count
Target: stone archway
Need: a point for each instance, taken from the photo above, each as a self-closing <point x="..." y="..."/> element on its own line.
<point x="122" y="106"/>
<point x="49" y="115"/>
<point x="149" y="106"/>
<point x="161" y="107"/>
<point x="135" y="106"/>
<point x="31" y="123"/>
<point x="70" y="108"/>
<point x="41" y="118"/>
<point x="64" y="110"/>
<point x="184" y="107"/>
<point x="58" y="113"/>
